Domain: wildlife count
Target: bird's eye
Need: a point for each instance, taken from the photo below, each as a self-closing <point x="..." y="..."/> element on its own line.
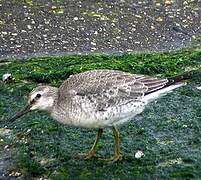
<point x="38" y="96"/>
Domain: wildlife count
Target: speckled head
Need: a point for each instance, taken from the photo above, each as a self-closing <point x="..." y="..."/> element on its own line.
<point x="41" y="98"/>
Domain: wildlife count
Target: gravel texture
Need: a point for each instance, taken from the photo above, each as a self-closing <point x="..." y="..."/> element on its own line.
<point x="32" y="28"/>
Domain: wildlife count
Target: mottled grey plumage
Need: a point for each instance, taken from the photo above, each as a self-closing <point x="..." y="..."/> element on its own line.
<point x="101" y="95"/>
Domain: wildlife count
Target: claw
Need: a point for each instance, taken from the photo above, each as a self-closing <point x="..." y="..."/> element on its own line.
<point x="115" y="158"/>
<point x="88" y="155"/>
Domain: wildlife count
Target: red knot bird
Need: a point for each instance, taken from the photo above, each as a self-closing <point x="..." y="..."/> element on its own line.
<point x="99" y="99"/>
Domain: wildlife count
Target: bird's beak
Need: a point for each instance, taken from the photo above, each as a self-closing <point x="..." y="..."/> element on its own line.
<point x="20" y="113"/>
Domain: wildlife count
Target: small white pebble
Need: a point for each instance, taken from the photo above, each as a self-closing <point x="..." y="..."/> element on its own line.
<point x="75" y="18"/>
<point x="14" y="34"/>
<point x="93" y="43"/>
<point x="139" y="154"/>
<point x="6" y="77"/>
<point x="6" y="147"/>
<point x="129" y="50"/>
<point x="15" y="174"/>
<point x="184" y="126"/>
<point x="159" y="19"/>
<point x="4" y="33"/>
<point x="28" y="130"/>
<point x="199" y="87"/>
<point x="29" y="27"/>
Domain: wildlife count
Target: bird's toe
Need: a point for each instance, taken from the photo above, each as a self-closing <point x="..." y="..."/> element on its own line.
<point x="87" y="155"/>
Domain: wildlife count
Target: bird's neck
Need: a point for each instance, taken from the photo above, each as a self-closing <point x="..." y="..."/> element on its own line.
<point x="54" y="95"/>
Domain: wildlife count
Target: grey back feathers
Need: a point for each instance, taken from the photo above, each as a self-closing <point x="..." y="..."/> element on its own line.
<point x="106" y="88"/>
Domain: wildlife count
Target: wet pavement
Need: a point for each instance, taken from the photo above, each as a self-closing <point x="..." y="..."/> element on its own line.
<point x="38" y="27"/>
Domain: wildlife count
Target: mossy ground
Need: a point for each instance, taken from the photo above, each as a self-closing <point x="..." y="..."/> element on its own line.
<point x="168" y="131"/>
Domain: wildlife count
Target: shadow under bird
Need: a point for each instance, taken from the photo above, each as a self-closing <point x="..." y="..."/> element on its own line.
<point x="99" y="99"/>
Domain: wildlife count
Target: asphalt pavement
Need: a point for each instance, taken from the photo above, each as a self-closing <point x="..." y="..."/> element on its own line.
<point x="35" y="28"/>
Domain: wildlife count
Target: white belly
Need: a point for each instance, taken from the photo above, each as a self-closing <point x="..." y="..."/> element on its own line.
<point x="112" y="116"/>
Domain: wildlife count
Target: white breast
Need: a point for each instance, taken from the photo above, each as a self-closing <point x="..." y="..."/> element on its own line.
<point x="89" y="118"/>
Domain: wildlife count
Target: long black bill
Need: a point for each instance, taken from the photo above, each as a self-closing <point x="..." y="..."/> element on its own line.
<point x="21" y="113"/>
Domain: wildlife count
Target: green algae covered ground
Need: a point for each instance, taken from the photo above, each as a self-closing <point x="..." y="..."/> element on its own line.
<point x="168" y="131"/>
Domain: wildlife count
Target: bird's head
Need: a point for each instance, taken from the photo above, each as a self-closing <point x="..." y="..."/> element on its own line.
<point x="41" y="98"/>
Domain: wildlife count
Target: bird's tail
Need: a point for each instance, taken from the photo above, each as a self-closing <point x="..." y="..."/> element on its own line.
<point x="177" y="79"/>
<point x="172" y="83"/>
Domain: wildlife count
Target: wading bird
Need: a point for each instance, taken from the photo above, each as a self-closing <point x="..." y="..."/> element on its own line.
<point x="99" y="99"/>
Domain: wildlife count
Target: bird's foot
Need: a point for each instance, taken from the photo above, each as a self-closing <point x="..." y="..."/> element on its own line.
<point x="116" y="157"/>
<point x="87" y="155"/>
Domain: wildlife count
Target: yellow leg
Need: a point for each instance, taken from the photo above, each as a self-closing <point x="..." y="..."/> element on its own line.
<point x="117" y="153"/>
<point x="92" y="151"/>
